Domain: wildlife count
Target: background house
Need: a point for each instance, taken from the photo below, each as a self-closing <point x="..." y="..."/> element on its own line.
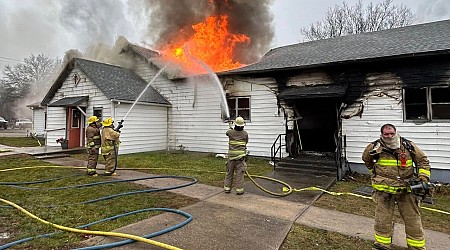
<point x="86" y="88"/>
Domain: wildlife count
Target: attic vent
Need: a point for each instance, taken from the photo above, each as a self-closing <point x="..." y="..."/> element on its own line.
<point x="76" y="78"/>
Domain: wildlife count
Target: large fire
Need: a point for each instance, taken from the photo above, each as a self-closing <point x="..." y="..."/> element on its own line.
<point x="211" y="44"/>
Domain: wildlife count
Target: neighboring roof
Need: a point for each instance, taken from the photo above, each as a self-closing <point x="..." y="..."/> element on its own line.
<point x="69" y="101"/>
<point x="35" y="105"/>
<point x="422" y="39"/>
<point x="115" y="82"/>
<point x="296" y="92"/>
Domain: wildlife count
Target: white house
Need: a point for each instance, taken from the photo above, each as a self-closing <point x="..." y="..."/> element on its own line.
<point x="326" y="97"/>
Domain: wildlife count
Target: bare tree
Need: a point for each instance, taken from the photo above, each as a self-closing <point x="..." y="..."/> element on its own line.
<point x="344" y="20"/>
<point x="27" y="80"/>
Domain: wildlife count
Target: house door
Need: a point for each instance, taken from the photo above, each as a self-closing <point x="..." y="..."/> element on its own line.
<point x="75" y="128"/>
<point x="317" y="124"/>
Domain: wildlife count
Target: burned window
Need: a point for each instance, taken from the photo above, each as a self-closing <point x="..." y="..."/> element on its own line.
<point x="440" y="103"/>
<point x="239" y="106"/>
<point x="416" y="104"/>
<point x="430" y="103"/>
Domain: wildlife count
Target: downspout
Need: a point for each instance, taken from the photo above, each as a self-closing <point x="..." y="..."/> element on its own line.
<point x="114" y="107"/>
<point x="167" y="128"/>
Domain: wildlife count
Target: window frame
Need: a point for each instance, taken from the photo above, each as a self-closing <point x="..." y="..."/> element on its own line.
<point x="428" y="102"/>
<point x="236" y="107"/>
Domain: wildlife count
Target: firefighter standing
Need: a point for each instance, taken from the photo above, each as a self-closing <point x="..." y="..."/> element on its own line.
<point x="390" y="160"/>
<point x="237" y="152"/>
<point x="93" y="144"/>
<point x="110" y="145"/>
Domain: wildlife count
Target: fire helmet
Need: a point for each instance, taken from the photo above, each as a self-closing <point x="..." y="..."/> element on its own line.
<point x="108" y="122"/>
<point x="239" y="121"/>
<point x="92" y="119"/>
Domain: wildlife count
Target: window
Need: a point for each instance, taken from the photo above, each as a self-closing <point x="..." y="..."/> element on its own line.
<point x="427" y="104"/>
<point x="98" y="112"/>
<point x="239" y="106"/>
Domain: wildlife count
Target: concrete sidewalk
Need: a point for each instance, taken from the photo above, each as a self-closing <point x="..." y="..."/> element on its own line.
<point x="248" y="221"/>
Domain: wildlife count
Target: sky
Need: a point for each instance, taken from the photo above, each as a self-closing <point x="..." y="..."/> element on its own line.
<point x="53" y="27"/>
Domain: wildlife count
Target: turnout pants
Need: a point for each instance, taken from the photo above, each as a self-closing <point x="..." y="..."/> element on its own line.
<point x="110" y="162"/>
<point x="92" y="159"/>
<point x="408" y="206"/>
<point x="237" y="166"/>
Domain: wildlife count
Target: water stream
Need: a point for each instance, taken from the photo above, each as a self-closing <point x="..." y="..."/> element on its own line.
<point x="216" y="81"/>
<point x="143" y="91"/>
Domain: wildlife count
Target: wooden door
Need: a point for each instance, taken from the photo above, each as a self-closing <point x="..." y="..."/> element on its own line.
<point x="75" y="128"/>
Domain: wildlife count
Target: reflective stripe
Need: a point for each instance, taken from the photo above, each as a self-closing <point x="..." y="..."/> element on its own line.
<point x="227" y="188"/>
<point x="393" y="163"/>
<point x="415" y="243"/>
<point x="389" y="189"/>
<point x="236" y="154"/>
<point x="383" y="240"/>
<point x="425" y="172"/>
<point x="96" y="137"/>
<point x="239" y="190"/>
<point x="240" y="143"/>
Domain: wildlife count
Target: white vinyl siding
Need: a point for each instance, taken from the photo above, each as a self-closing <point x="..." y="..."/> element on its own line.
<point x="432" y="138"/>
<point x="39" y="121"/>
<point x="145" y="128"/>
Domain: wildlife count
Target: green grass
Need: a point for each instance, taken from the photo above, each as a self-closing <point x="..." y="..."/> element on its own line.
<point x="206" y="168"/>
<point x="21" y="141"/>
<point x="60" y="206"/>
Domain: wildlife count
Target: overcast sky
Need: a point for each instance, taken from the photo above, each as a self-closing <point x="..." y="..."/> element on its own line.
<point x="49" y="27"/>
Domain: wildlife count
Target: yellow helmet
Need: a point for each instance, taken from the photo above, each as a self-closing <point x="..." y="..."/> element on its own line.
<point x="108" y="122"/>
<point x="92" y="119"/>
<point x="239" y="121"/>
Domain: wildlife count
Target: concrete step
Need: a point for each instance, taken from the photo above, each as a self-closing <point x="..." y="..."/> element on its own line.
<point x="306" y="171"/>
<point x="52" y="156"/>
<point x="330" y="167"/>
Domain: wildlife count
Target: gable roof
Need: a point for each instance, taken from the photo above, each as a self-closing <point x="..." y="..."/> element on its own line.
<point x="409" y="41"/>
<point x="115" y="82"/>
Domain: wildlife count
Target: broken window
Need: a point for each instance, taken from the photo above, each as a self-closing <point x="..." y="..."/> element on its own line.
<point x="239" y="106"/>
<point x="429" y="103"/>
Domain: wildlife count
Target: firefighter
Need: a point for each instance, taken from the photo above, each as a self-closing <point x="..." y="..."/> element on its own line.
<point x="110" y="145"/>
<point x="237" y="152"/>
<point x="93" y="144"/>
<point x="391" y="161"/>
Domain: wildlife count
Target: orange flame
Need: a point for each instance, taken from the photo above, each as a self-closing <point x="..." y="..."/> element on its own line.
<point x="211" y="43"/>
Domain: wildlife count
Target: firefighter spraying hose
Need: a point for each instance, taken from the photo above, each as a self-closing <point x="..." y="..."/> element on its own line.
<point x="110" y="134"/>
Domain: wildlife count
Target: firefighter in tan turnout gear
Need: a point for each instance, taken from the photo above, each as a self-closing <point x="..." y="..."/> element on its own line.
<point x="237" y="152"/>
<point x="391" y="161"/>
<point x="110" y="145"/>
<point x="93" y="144"/>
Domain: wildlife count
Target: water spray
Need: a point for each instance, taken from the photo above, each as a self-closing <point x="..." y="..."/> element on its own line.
<point x="216" y="81"/>
<point x="139" y="97"/>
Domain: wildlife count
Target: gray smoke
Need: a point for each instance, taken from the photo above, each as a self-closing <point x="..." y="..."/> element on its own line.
<point x="249" y="17"/>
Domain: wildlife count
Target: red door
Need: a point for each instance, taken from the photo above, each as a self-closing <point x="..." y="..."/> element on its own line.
<point x="75" y="128"/>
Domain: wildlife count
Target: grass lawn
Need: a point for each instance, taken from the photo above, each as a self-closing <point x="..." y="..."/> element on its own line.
<point x="21" y="141"/>
<point x="63" y="206"/>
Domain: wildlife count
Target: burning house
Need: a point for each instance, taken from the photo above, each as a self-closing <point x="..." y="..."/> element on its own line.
<point x="323" y="100"/>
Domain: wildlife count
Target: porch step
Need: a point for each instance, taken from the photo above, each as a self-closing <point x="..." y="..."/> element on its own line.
<point x="316" y="164"/>
<point x="52" y="156"/>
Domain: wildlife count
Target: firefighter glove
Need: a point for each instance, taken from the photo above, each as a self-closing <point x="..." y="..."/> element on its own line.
<point x="423" y="178"/>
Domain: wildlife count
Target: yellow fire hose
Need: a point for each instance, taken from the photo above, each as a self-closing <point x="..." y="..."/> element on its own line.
<point x="81" y="231"/>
